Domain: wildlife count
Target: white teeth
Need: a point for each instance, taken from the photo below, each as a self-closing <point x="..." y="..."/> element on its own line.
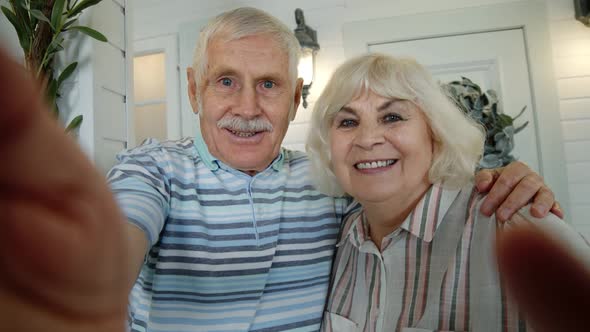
<point x="375" y="164"/>
<point x="243" y="134"/>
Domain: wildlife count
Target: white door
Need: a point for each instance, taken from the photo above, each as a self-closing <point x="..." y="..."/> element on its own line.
<point x="156" y="91"/>
<point x="505" y="47"/>
<point x="504" y="70"/>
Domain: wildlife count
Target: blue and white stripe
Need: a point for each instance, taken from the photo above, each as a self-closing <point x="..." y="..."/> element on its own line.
<point x="228" y="252"/>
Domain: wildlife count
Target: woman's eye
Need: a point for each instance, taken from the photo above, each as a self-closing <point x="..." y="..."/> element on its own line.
<point x="347" y="123"/>
<point x="268" y="84"/>
<point x="226" y="81"/>
<point x="392" y="118"/>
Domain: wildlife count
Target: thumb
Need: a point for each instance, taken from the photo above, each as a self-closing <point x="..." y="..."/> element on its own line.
<point x="550" y="285"/>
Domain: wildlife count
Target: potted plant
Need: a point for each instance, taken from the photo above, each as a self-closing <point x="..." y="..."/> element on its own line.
<point x="42" y="27"/>
<point x="483" y="108"/>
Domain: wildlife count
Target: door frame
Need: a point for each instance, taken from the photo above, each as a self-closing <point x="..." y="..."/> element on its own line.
<point x="531" y="17"/>
<point x="167" y="44"/>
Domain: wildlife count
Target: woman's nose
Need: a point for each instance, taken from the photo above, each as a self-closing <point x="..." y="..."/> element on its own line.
<point x="369" y="136"/>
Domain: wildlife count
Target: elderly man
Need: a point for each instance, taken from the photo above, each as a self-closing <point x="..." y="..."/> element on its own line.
<point x="225" y="229"/>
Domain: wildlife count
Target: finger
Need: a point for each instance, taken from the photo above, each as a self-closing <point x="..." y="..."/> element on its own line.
<point x="557" y="210"/>
<point x="34" y="145"/>
<point x="52" y="271"/>
<point x="509" y="177"/>
<point x="516" y="219"/>
<point x="522" y="194"/>
<point x="16" y="98"/>
<point x="551" y="287"/>
<point x="51" y="192"/>
<point x="485" y="178"/>
<point x="542" y="203"/>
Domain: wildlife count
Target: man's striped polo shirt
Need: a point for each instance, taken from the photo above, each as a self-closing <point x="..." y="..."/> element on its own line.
<point x="228" y="251"/>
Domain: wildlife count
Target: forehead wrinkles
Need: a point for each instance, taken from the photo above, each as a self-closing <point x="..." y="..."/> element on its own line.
<point x="248" y="62"/>
<point x="255" y="46"/>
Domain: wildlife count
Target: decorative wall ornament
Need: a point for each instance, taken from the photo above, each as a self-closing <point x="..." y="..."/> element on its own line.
<point x="483" y="108"/>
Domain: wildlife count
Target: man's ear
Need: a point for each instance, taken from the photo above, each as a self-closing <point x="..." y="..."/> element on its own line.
<point x="192" y="89"/>
<point x="297" y="98"/>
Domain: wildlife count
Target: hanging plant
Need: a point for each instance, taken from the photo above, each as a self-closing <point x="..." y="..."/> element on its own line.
<point x="483" y="108"/>
<point x="42" y="26"/>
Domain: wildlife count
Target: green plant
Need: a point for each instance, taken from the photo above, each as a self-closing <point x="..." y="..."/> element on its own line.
<point x="483" y="108"/>
<point x="42" y="27"/>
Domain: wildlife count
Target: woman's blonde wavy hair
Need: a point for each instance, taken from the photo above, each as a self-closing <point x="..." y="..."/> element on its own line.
<point x="459" y="140"/>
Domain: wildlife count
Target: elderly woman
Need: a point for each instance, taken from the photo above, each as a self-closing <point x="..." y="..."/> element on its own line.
<point x="417" y="255"/>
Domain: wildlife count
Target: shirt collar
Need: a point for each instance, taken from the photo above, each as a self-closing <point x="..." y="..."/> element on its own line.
<point x="428" y="214"/>
<point x="422" y="222"/>
<point x="213" y="163"/>
<point x="356" y="231"/>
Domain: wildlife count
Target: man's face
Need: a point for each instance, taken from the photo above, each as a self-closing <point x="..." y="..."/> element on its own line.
<point x="246" y="96"/>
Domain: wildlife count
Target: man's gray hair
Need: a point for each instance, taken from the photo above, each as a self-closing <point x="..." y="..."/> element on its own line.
<point x="240" y="23"/>
<point x="458" y="140"/>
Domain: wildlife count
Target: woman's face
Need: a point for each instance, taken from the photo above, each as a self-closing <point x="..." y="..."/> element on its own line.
<point x="381" y="149"/>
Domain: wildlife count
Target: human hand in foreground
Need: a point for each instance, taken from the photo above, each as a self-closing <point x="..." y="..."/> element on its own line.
<point x="512" y="187"/>
<point x="63" y="245"/>
<point x="550" y="284"/>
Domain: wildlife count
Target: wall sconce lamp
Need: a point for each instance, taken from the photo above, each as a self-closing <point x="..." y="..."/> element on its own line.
<point x="582" y="9"/>
<point x="308" y="40"/>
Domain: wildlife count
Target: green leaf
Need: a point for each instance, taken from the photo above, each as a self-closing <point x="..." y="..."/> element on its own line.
<point x="57" y="13"/>
<point x="55" y="110"/>
<point x="66" y="73"/>
<point x="52" y="91"/>
<point x="75" y="123"/>
<point x="21" y="31"/>
<point x="68" y="23"/>
<point x="71" y="4"/>
<point x="520" y="113"/>
<point x="54" y="47"/>
<point x="39" y="15"/>
<point x="21" y="11"/>
<point x="11" y="16"/>
<point x="91" y="32"/>
<point x="81" y="6"/>
<point x="37" y="4"/>
<point x="505" y="120"/>
<point x="517" y="130"/>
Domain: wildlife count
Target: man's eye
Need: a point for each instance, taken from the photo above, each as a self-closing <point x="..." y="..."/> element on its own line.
<point x="268" y="84"/>
<point x="347" y="123"/>
<point x="392" y="118"/>
<point x="226" y="81"/>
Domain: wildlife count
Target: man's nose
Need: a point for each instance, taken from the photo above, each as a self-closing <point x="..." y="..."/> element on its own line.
<point x="248" y="107"/>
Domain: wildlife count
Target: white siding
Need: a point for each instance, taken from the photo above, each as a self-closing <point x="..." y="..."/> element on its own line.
<point x="571" y="54"/>
<point x="110" y="83"/>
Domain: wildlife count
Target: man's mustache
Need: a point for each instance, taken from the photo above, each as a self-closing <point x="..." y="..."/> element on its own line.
<point x="237" y="123"/>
